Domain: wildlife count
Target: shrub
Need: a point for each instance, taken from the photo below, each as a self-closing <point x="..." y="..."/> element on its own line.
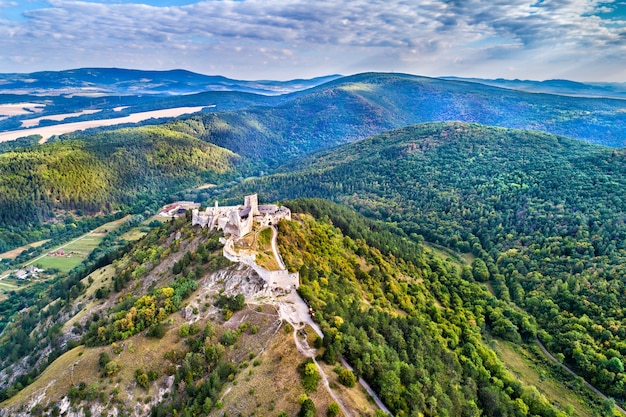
<point x="157" y="331"/>
<point x="184" y="330"/>
<point x="347" y="378"/>
<point x="103" y="360"/>
<point x="111" y="368"/>
<point x="307" y="409"/>
<point x="333" y="409"/>
<point x="228" y="338"/>
<point x="309" y="374"/>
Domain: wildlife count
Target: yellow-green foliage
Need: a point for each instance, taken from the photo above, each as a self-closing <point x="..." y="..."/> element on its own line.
<point x="143" y="312"/>
<point x="265" y="237"/>
<point x="410" y="328"/>
<point x="103" y="170"/>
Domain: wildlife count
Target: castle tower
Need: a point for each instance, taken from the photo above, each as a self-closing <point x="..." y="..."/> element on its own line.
<point x="252" y="201"/>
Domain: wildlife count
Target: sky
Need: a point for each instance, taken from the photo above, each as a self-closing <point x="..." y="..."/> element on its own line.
<point x="582" y="40"/>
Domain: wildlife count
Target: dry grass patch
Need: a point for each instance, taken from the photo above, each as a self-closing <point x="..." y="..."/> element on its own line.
<point x="81" y="365"/>
<point x="134" y="234"/>
<point x="520" y="361"/>
<point x="356" y="399"/>
<point x="267" y="260"/>
<point x="273" y="385"/>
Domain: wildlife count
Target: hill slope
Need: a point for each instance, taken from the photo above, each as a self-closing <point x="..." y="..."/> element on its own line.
<point x="102" y="172"/>
<point x="410" y="322"/>
<point x="544" y="213"/>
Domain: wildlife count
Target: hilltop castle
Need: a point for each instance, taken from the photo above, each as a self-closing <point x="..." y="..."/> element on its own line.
<point x="237" y="221"/>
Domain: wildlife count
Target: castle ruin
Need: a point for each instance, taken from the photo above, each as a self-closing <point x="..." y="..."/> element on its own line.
<point x="237" y="221"/>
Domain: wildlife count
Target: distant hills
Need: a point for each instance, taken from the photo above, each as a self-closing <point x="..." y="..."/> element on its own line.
<point x="355" y="107"/>
<point x="116" y="81"/>
<point x="330" y="110"/>
<point x="559" y="87"/>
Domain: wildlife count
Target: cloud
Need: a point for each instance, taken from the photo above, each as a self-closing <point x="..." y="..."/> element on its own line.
<point x="418" y="36"/>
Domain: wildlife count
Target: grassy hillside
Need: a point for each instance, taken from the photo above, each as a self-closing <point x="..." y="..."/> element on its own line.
<point x="359" y="106"/>
<point x="162" y="330"/>
<point x="103" y="172"/>
<point x="543" y="213"/>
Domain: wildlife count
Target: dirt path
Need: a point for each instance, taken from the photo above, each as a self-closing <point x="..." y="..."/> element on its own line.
<point x="279" y="259"/>
<point x="369" y="390"/>
<point x="568" y="370"/>
<point x="292" y="309"/>
<point x="296" y="312"/>
<point x="290" y="314"/>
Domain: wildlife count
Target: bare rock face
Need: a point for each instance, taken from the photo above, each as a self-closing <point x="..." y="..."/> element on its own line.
<point x="239" y="278"/>
<point x="187" y="312"/>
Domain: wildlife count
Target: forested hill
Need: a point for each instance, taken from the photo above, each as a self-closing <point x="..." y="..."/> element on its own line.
<point x="359" y="106"/>
<point x="544" y="213"/>
<point x="103" y="171"/>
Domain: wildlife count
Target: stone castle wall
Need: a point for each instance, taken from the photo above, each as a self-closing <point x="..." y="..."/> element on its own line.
<point x="238" y="221"/>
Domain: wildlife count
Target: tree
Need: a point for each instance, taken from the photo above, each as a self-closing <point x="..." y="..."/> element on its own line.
<point x="309" y="374"/>
<point x="480" y="270"/>
<point x="307" y="409"/>
<point x="615" y="365"/>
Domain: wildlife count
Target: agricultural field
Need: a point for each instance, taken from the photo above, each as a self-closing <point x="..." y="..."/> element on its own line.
<point x="12" y="254"/>
<point x="61" y="258"/>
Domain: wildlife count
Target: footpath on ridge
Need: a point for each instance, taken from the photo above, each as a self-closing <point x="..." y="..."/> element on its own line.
<point x="294" y="310"/>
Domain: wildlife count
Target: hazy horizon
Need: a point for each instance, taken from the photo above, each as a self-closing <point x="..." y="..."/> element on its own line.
<point x="578" y="40"/>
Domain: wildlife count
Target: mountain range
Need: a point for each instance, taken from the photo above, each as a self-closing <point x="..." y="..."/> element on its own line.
<point x="96" y="82"/>
<point x="558" y="87"/>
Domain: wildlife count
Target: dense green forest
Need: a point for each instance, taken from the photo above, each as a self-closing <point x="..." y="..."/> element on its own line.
<point x="544" y="213"/>
<point x="99" y="174"/>
<point x="409" y="323"/>
<point x="266" y="132"/>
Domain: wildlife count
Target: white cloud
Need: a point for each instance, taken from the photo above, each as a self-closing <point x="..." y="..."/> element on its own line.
<point x="244" y="38"/>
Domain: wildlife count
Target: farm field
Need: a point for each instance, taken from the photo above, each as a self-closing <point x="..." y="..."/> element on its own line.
<point x="71" y="254"/>
<point x="12" y="254"/>
<point x="64" y="258"/>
